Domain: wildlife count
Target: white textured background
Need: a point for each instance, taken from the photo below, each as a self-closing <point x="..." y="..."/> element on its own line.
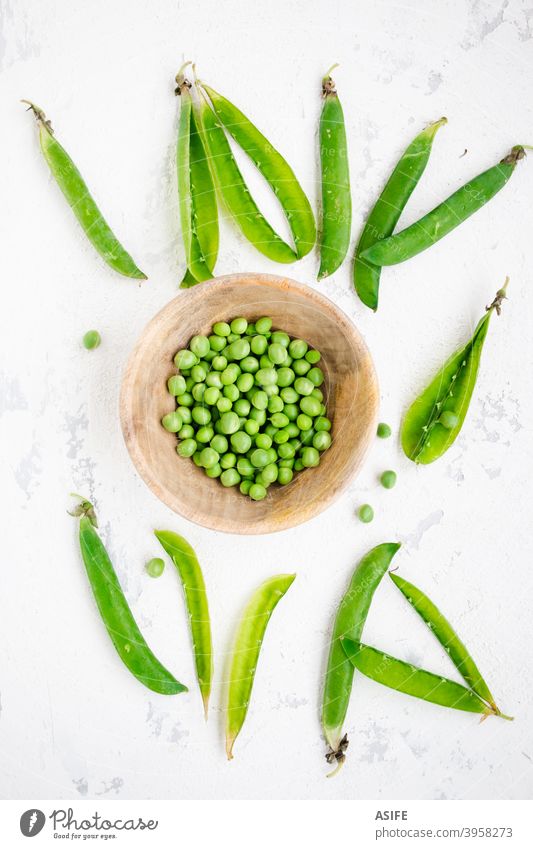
<point x="73" y="721"/>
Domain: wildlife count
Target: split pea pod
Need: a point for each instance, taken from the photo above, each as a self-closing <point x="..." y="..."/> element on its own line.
<point x="197" y="197"/>
<point x="447" y="637"/>
<point x="115" y="612"/>
<point x="434" y="420"/>
<point x="336" y="222"/>
<point x="349" y="622"/>
<point x="81" y="202"/>
<point x="248" y="640"/>
<point x="412" y="680"/>
<point x="270" y="164"/>
<point x="446" y="216"/>
<point x="389" y="206"/>
<point x="186" y="562"/>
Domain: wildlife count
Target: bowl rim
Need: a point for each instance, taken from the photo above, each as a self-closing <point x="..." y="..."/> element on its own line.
<point x="129" y="433"/>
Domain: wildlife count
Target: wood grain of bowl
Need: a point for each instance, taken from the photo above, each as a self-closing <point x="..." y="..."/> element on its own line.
<point x="350" y="388"/>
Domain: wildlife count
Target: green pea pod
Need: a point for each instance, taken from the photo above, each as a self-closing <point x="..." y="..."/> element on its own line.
<point x="81" y="202"/>
<point x="274" y="168"/>
<point x="336" y="195"/>
<point x="390" y="205"/>
<point x="186" y="562"/>
<point x="446" y="216"/>
<point x="413" y="681"/>
<point x="433" y="422"/>
<point x="115" y="612"/>
<point x="197" y="263"/>
<point x="349" y="621"/>
<point x="248" y="640"/>
<point x="447" y="637"/>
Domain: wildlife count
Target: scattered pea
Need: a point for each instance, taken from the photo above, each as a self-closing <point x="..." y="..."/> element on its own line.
<point x="172" y="422"/>
<point x="155" y="567"/>
<point x="384" y="430"/>
<point x="366" y="513"/>
<point x="388" y="479"/>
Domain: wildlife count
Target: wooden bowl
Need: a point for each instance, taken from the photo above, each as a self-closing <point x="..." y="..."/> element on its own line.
<point x="350" y="388"/>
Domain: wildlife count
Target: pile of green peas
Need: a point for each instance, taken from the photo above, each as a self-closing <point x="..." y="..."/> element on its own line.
<point x="249" y="408"/>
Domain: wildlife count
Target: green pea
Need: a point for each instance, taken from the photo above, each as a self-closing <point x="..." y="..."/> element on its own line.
<point x="303" y="386"/>
<point x="259" y="345"/>
<point x="270" y="473"/>
<point x="250" y="365"/>
<point x="211" y="395"/>
<point x="185" y="399"/>
<point x="229" y="423"/>
<point x="298" y="348"/>
<point x="317" y="393"/>
<point x="230" y="374"/>
<point x="219" y="443"/>
<point x="185" y="414"/>
<point x="230" y="477"/>
<point x="279" y="420"/>
<point x="209" y="457"/>
<point x="388" y="479"/>
<point x="310" y="457"/>
<point x="214" y="471"/>
<point x="196" y="458"/>
<point x="321" y="440"/>
<point x="260" y="400"/>
<point x="245" y="382"/>
<point x="272" y="455"/>
<point x="287" y="463"/>
<point x="281" y="437"/>
<point x="238" y="350"/>
<point x="201" y="415"/>
<point x="176" y="384"/>
<point x="263" y="440"/>
<point x="366" y="513"/>
<point x="257" y="492"/>
<point x="244" y="467"/>
<point x="230" y="391"/>
<point x="186" y="432"/>
<point x="186" y="448"/>
<point x="259" y="458"/>
<point x="304" y="422"/>
<point x="316" y="376"/>
<point x="275" y="404"/>
<point x="221" y="328"/>
<point x="242" y="407"/>
<point x="250" y="330"/>
<point x="286" y="451"/>
<point x="217" y="343"/>
<point x="251" y="427"/>
<point x="245" y="486"/>
<point x="285" y="376"/>
<point x="312" y="357"/>
<point x="198" y="392"/>
<point x="207" y="358"/>
<point x="265" y="362"/>
<point x="91" y="340"/>
<point x="172" y="422"/>
<point x="241" y="442"/>
<point x="280" y="338"/>
<point x="289" y="395"/>
<point x="298" y="465"/>
<point x="205" y="434"/>
<point x="285" y="476"/>
<point x="291" y="411"/>
<point x="189" y="382"/>
<point x="213" y="379"/>
<point x="270" y="430"/>
<point x="199" y="345"/>
<point x="239" y="325"/>
<point x="448" y="419"/>
<point x="155" y="567"/>
<point x="219" y="362"/>
<point x="224" y="405"/>
<point x="277" y="353"/>
<point x="301" y="367"/>
<point x="271" y="390"/>
<point x="198" y="374"/>
<point x="322" y="423"/>
<point x="258" y="416"/>
<point x="185" y="359"/>
<point x="310" y="406"/>
<point x="293" y="430"/>
<point x="384" y="430"/>
<point x="263" y="325"/>
<point x="228" y="461"/>
<point x="266" y="376"/>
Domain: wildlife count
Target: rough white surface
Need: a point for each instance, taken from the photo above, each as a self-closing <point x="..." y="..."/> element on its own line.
<point x="73" y="721"/>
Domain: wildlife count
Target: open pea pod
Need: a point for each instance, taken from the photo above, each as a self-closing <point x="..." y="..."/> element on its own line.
<point x="224" y="116"/>
<point x="433" y="422"/>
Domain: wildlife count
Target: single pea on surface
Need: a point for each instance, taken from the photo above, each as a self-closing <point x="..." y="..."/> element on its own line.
<point x="365" y="513"/>
<point x="155" y="567"/>
<point x="91" y="340"/>
<point x="249" y="408"/>
<point x="384" y="430"/>
<point x="388" y="479"/>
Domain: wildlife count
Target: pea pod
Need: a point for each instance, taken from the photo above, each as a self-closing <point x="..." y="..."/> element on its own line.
<point x="336" y="195"/>
<point x="248" y="640"/>
<point x="413" y="681"/>
<point x="447" y="637"/>
<point x="115" y="612"/>
<point x="434" y="421"/>
<point x="81" y="202"/>
<point x="389" y="206"/>
<point x="349" y="622"/>
<point x="446" y="216"/>
<point x="186" y="562"/>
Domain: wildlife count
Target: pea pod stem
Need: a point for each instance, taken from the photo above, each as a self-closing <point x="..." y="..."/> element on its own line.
<point x="190" y="573"/>
<point x="247" y="646"/>
<point x="115" y="612"/>
<point x="446" y="216"/>
<point x="424" y="436"/>
<point x="80" y="200"/>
